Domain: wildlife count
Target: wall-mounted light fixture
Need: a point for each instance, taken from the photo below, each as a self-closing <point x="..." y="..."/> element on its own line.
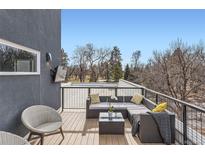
<point x="48" y="57"/>
<point x="49" y="64"/>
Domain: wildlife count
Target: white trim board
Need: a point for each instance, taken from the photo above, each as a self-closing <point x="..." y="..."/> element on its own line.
<point x="5" y="42"/>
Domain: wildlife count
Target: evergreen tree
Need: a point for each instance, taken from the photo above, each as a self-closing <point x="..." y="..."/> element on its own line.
<point x="115" y="64"/>
<point x="127" y="72"/>
<point x="117" y="72"/>
<point x="115" y="55"/>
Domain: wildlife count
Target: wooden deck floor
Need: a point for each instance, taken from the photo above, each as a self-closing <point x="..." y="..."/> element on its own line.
<point x="79" y="131"/>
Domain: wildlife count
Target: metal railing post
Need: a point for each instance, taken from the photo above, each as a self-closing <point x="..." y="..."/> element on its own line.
<point x="157" y="99"/>
<point x="62" y="94"/>
<point x="88" y="92"/>
<point x="143" y="91"/>
<point x="184" y="124"/>
<point x="116" y="91"/>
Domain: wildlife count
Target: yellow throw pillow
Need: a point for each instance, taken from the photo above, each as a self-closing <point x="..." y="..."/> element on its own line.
<point x="160" y="107"/>
<point x="95" y="98"/>
<point x="137" y="99"/>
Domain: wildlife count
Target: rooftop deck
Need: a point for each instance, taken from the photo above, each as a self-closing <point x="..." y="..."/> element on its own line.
<point x="189" y="118"/>
<point x="79" y="131"/>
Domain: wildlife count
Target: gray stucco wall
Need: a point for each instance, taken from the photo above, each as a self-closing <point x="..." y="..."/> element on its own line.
<point x="36" y="29"/>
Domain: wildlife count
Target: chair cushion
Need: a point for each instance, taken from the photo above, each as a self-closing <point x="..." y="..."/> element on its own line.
<point x="137" y="99"/>
<point x="94" y="98"/>
<point x="48" y="127"/>
<point x="160" y="107"/>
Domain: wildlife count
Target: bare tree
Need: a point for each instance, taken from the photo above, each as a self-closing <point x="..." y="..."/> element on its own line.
<point x="137" y="68"/>
<point x="90" y="61"/>
<point x="102" y="66"/>
<point x="92" y="57"/>
<point x="80" y="60"/>
<point x="135" y="58"/>
<point x="179" y="69"/>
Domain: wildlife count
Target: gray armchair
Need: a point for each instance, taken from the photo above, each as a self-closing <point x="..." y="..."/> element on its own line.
<point x="42" y="120"/>
<point x="7" y="138"/>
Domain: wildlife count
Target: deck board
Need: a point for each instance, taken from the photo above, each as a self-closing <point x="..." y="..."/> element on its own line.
<point x="79" y="131"/>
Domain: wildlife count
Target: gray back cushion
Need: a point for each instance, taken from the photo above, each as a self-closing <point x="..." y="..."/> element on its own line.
<point x="127" y="98"/>
<point x="103" y="98"/>
<point x="119" y="99"/>
<point x="108" y="99"/>
<point x="148" y="103"/>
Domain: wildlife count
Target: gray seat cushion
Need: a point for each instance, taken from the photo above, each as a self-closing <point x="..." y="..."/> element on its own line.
<point x="101" y="105"/>
<point x="134" y="106"/>
<point x="138" y="109"/>
<point x="105" y="105"/>
<point x="119" y="105"/>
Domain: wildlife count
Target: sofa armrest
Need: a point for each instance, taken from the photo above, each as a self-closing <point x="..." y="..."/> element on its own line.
<point x="88" y="102"/>
<point x="149" y="132"/>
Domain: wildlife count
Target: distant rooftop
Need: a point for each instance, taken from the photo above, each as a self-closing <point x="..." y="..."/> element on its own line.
<point x="121" y="83"/>
<point x="91" y="84"/>
<point x="95" y="84"/>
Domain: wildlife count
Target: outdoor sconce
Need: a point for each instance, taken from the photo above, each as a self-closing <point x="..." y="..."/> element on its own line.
<point x="48" y="57"/>
<point x="49" y="62"/>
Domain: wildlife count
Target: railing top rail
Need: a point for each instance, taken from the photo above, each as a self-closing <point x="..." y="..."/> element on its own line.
<point x="177" y="100"/>
<point x="96" y="87"/>
<point x="130" y="83"/>
<point x="152" y="91"/>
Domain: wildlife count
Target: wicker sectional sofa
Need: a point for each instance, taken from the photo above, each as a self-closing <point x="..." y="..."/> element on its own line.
<point x="148" y="132"/>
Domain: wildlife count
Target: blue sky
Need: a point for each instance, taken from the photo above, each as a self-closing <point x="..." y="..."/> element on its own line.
<point x="131" y="30"/>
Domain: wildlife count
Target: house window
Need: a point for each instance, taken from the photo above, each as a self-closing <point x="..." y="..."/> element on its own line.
<point x="18" y="60"/>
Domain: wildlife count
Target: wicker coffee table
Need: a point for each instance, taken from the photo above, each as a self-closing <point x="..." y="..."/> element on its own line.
<point x="111" y="124"/>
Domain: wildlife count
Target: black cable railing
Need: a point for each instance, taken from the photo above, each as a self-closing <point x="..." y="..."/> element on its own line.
<point x="190" y="119"/>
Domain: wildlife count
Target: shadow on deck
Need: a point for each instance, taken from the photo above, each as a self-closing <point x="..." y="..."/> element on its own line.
<point x="79" y="131"/>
